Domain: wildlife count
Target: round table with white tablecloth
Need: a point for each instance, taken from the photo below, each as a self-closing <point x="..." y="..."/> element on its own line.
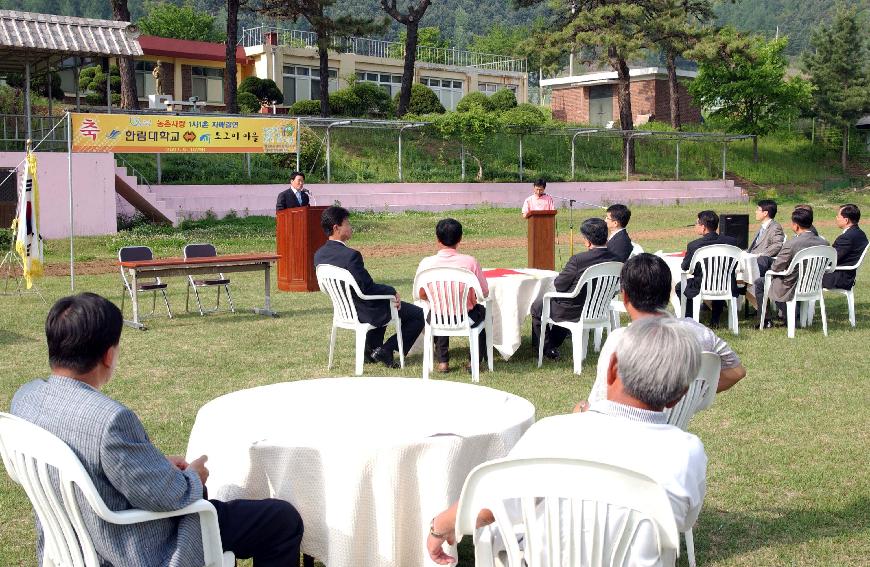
<point x="513" y="292"/>
<point x="366" y="461"/>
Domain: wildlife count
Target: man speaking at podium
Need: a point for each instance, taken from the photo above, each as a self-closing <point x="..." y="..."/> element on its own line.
<point x="295" y="196"/>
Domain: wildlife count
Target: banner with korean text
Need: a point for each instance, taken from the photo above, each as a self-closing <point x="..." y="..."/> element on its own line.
<point x="158" y="133"/>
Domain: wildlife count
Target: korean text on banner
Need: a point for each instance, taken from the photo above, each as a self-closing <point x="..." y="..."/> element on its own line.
<point x="28" y="241"/>
<point x="157" y="133"/>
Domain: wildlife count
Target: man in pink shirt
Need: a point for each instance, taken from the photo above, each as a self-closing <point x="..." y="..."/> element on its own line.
<point x="538" y="201"/>
<point x="449" y="234"/>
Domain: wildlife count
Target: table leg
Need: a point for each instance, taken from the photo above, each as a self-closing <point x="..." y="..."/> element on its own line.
<point x="307" y="561"/>
<point x="267" y="303"/>
<point x="134" y="299"/>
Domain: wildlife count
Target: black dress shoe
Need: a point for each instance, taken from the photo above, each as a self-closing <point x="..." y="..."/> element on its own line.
<point x="385" y="357"/>
<point x="552" y="354"/>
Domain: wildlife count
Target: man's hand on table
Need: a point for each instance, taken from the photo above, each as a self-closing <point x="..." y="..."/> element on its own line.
<point x="442" y="525"/>
<point x="581" y="406"/>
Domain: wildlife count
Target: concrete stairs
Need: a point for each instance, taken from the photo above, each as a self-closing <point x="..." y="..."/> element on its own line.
<point x="142" y="198"/>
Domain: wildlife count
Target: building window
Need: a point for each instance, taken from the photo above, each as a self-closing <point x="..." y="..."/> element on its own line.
<point x="207" y="83"/>
<point x="449" y="91"/>
<point x="303" y="83"/>
<point x="490" y="89"/>
<point x="389" y="82"/>
<point x="145" y="84"/>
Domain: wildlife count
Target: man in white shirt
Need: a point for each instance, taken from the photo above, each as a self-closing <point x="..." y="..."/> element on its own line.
<point x="646" y="289"/>
<point x="651" y="370"/>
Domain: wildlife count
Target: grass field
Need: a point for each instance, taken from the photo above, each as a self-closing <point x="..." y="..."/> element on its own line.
<point x="788" y="447"/>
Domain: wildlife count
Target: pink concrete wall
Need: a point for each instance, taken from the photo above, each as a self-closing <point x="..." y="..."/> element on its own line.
<point x="94" y="210"/>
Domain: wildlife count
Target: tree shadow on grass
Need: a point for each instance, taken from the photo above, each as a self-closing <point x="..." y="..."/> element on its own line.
<point x="10" y="338"/>
<point x="720" y="534"/>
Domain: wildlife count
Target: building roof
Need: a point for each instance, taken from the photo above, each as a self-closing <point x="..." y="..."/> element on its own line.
<point x="609" y="77"/>
<point x="42" y="37"/>
<point x="169" y="47"/>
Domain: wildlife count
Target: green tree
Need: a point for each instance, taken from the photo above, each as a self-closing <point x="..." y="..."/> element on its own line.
<point x="423" y="101"/>
<point x="129" y="98"/>
<point x="411" y="21"/>
<point x="503" y="99"/>
<point x="319" y="16"/>
<point x="745" y="85"/>
<point x="475" y="100"/>
<point x="499" y="40"/>
<point x="265" y="90"/>
<point x="165" y="19"/>
<point x="471" y="129"/>
<point x="839" y="71"/>
<point x="92" y="80"/>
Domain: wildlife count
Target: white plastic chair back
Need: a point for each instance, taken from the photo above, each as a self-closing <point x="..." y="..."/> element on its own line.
<point x="812" y="263"/>
<point x="849" y="293"/>
<point x="635" y="249"/>
<point x="37" y="458"/>
<point x="702" y="392"/>
<point x="574" y="512"/>
<point x="718" y="262"/>
<point x="447" y="291"/>
<point x="340" y="286"/>
<point x="602" y="285"/>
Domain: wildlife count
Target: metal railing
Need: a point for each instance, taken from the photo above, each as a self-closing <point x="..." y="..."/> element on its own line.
<point x="13" y="131"/>
<point x="261" y="35"/>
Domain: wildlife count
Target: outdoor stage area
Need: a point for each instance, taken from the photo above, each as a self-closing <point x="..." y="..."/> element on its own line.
<point x="786" y="480"/>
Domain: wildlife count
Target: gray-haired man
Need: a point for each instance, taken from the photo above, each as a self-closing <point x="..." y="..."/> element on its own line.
<point x="651" y="370"/>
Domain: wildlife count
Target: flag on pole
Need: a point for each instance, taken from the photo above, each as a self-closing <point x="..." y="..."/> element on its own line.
<point x="28" y="241"/>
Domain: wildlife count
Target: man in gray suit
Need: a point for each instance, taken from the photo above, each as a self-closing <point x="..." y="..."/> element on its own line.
<point x="782" y="287"/>
<point x="83" y="333"/>
<point x="769" y="239"/>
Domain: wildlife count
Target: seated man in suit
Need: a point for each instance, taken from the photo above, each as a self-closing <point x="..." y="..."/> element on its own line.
<point x="782" y="287"/>
<point x="335" y="223"/>
<point x="594" y="233"/>
<point x="83" y="333"/>
<point x="706" y="226"/>
<point x="769" y="238"/>
<point x="295" y="196"/>
<point x="618" y="242"/>
<point x="813" y="228"/>
<point x="650" y="370"/>
<point x="646" y="291"/>
<point x="448" y="232"/>
<point x="849" y="246"/>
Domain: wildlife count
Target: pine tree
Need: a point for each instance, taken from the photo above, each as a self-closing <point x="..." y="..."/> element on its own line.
<point x="839" y="71"/>
<point x="129" y="99"/>
<point x="411" y="21"/>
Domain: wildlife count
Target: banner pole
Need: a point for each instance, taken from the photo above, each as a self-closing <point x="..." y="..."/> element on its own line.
<point x="72" y="276"/>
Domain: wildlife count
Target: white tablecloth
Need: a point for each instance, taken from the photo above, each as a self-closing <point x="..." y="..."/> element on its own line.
<point x="512" y="297"/>
<point x="366" y="461"/>
<point x="747" y="271"/>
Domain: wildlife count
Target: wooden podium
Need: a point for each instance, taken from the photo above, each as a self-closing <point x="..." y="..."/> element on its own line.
<point x="298" y="236"/>
<point x="542" y="240"/>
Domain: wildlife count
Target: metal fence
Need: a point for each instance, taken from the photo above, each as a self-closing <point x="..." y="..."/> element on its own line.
<point x="381" y="48"/>
<point x="50" y="130"/>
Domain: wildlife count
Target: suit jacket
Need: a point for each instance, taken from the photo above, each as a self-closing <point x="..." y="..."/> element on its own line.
<point x="287" y="200"/>
<point x="337" y="254"/>
<point x="693" y="285"/>
<point x="849" y="246"/>
<point x="782" y="287"/>
<point x="768" y="243"/>
<point x="127" y="470"/>
<point x="620" y="245"/>
<point x="571" y="309"/>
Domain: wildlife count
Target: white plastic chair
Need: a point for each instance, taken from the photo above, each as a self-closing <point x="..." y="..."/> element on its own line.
<point x="135" y="254"/>
<point x="635" y="249"/>
<point x="849" y="293"/>
<point x="811" y="264"/>
<point x="341" y="288"/>
<point x="718" y="263"/>
<point x="602" y="285"/>
<point x="446" y="314"/>
<point x="574" y="513"/>
<point x="617" y="307"/>
<point x="31" y="453"/>
<point x="702" y="392"/>
<point x="206" y="251"/>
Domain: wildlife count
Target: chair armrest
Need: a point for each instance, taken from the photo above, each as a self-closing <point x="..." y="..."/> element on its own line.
<point x="375" y="297"/>
<point x="557" y="294"/>
<point x="125" y="517"/>
<point x="845" y="268"/>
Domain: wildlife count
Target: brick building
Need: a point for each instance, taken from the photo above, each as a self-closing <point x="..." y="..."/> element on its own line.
<point x="592" y="98"/>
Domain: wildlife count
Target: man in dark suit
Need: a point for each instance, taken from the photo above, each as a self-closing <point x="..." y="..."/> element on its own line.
<point x="849" y="246"/>
<point x="594" y="233"/>
<point x="336" y="225"/>
<point x="706" y="226"/>
<point x="769" y="238"/>
<point x="618" y="242"/>
<point x="295" y="196"/>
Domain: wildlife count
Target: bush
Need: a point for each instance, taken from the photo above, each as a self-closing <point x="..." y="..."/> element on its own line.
<point x="305" y="108"/>
<point x="475" y="100"/>
<point x="375" y="101"/>
<point x="92" y="80"/>
<point x="523" y="119"/>
<point x="38" y="84"/>
<point x="345" y="103"/>
<point x="264" y="89"/>
<point x="423" y="101"/>
<point x="248" y="103"/>
<point x="503" y="99"/>
<point x="307" y="158"/>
